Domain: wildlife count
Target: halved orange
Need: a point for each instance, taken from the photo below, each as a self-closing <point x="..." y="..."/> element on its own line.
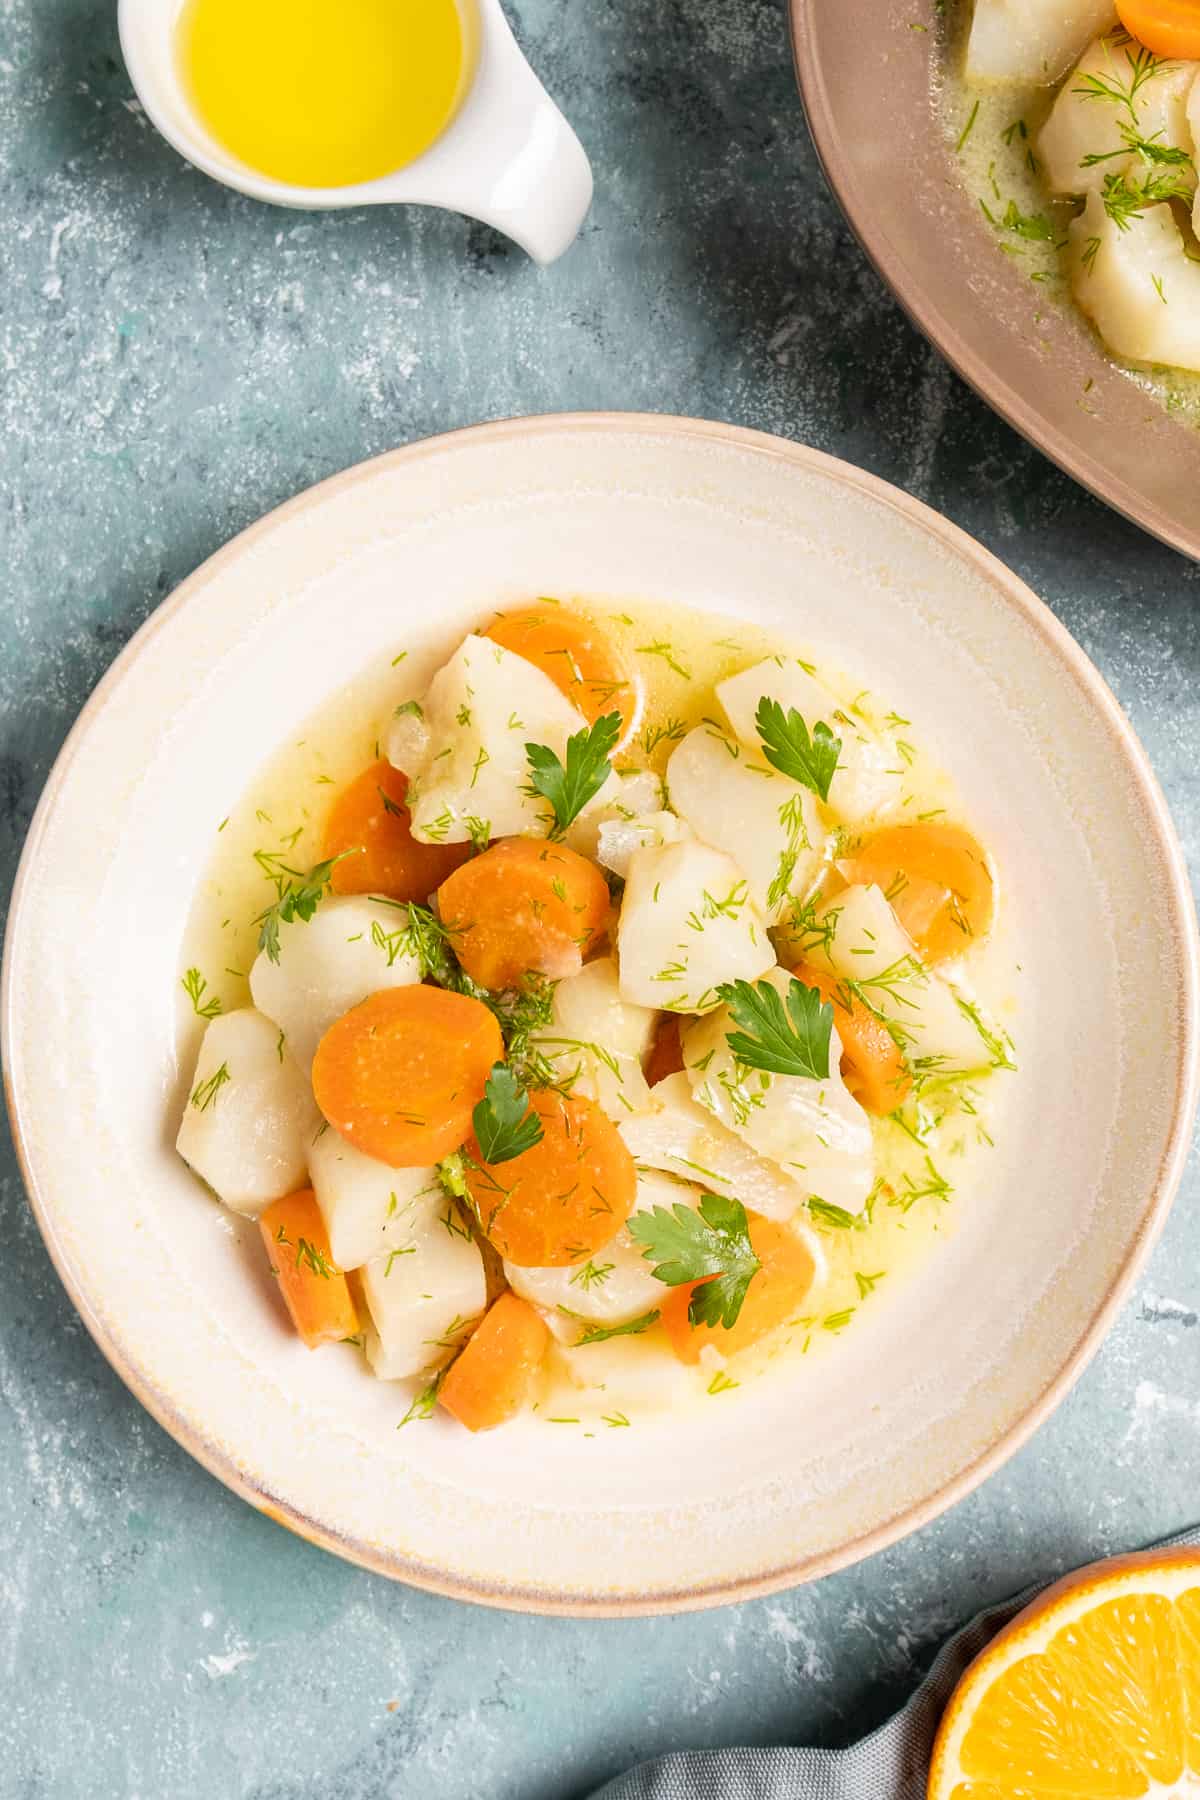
<point x="1091" y="1693"/>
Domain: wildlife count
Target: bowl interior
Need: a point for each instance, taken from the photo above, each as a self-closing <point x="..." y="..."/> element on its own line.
<point x="867" y="75"/>
<point x="789" y="1478"/>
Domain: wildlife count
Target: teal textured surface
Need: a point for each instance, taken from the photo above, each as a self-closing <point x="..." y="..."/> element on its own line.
<point x="174" y="360"/>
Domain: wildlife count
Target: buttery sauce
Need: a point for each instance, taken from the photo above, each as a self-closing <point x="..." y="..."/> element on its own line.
<point x="323" y="94"/>
<point x="929" y="1161"/>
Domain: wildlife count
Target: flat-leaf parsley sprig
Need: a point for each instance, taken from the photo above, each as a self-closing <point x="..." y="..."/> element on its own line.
<point x="783" y="1041"/>
<point x="299" y="898"/>
<point x="810" y="759"/>
<point x="711" y="1245"/>
<point x="569" y="786"/>
<point x="505" y="1125"/>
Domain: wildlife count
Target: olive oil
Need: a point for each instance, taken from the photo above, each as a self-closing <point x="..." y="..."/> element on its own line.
<point x="326" y="93"/>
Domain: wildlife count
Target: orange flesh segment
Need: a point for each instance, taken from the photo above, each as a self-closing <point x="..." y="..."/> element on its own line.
<point x="775" y="1295"/>
<point x="1168" y="27"/>
<point x="873" y="1065"/>
<point x="579" y="657"/>
<point x="938" y="881"/>
<point x="399" y="1075"/>
<point x="666" y="1052"/>
<point x="314" y="1289"/>
<point x="559" y="1202"/>
<point x="524" y="906"/>
<point x="370" y="819"/>
<point x="494" y="1377"/>
<point x="1102" y="1705"/>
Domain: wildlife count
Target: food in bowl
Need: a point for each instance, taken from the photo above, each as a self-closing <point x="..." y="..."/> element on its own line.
<point x="602" y="1025"/>
<point x="1077" y="128"/>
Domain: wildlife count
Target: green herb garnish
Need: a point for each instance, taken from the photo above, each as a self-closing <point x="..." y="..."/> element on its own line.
<point x="568" y="787"/>
<point x="299" y="899"/>
<point x="791" y="1042"/>
<point x="600" y="1334"/>
<point x="505" y="1126"/>
<point x="688" y="1246"/>
<point x="193" y="985"/>
<point x="788" y="746"/>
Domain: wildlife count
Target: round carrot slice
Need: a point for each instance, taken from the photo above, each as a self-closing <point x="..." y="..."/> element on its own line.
<point x="775" y="1295"/>
<point x="873" y="1065"/>
<point x="370" y="829"/>
<point x="399" y="1075"/>
<point x="938" y="881"/>
<point x="313" y="1288"/>
<point x="493" y="1378"/>
<point x="578" y="656"/>
<point x="565" y="1198"/>
<point x="1168" y="27"/>
<point x="524" y="906"/>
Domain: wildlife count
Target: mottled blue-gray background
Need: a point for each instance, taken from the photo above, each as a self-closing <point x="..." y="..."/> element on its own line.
<point x="174" y="360"/>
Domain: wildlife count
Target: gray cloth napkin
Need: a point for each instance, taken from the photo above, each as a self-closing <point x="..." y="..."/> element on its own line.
<point x="891" y="1764"/>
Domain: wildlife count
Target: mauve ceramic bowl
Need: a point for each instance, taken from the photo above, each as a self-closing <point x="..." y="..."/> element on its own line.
<point x="793" y="1476"/>
<point x="866" y="70"/>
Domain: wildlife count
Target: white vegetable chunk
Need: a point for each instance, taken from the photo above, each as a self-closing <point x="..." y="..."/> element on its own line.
<point x="250" y="1115"/>
<point x="619" y="838"/>
<point x="938" y="1027"/>
<point x="869" y="776"/>
<point x="350" y="948"/>
<point x="633" y="795"/>
<point x="1085" y="124"/>
<point x="596" y="1040"/>
<point x="1138" y="285"/>
<point x="684" y="1139"/>
<point x="1032" y="40"/>
<point x="645" y="1372"/>
<point x="613" y="1286"/>
<point x="815" y="1130"/>
<point x="369" y="1208"/>
<point x="736" y="802"/>
<point x="687" y="924"/>
<point x="465" y="758"/>
<point x="423" y="1298"/>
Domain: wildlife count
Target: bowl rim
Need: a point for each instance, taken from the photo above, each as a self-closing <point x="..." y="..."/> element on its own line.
<point x="922" y="310"/>
<point x="1161" y="1190"/>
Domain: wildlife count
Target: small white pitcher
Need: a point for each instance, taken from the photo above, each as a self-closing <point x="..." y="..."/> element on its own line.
<point x="507" y="156"/>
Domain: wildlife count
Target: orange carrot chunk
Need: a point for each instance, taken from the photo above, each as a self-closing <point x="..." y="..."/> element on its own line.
<point x="578" y="656"/>
<point x="938" y="881"/>
<point x="369" y="827"/>
<point x="776" y="1294"/>
<point x="493" y="1378"/>
<point x="566" y="1197"/>
<point x="398" y="1075"/>
<point x="524" y="906"/>
<point x="314" y="1289"/>
<point x="1168" y="27"/>
<point x="873" y="1065"/>
<point x="666" y="1052"/>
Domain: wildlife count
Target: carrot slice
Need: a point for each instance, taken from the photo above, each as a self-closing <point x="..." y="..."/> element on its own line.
<point x="492" y="1380"/>
<point x="1168" y="27"/>
<point x="525" y="905"/>
<point x="666" y="1052"/>
<point x="369" y="827"/>
<point x="314" y="1289"/>
<point x="565" y="1198"/>
<point x="578" y="656"/>
<point x="774" y="1296"/>
<point x="873" y="1065"/>
<point x="938" y="881"/>
<point x="399" y="1075"/>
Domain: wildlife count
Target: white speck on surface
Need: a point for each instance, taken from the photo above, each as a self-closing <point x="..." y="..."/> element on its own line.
<point x="223" y="1663"/>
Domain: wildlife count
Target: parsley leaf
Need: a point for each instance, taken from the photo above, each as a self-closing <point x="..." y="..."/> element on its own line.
<point x="795" y="1042"/>
<point x="693" y="1246"/>
<point x="787" y="746"/>
<point x="569" y="788"/>
<point x="299" y="899"/>
<point x="504" y="1125"/>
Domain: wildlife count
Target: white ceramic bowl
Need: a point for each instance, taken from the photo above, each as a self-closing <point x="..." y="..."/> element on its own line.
<point x="916" y="1404"/>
